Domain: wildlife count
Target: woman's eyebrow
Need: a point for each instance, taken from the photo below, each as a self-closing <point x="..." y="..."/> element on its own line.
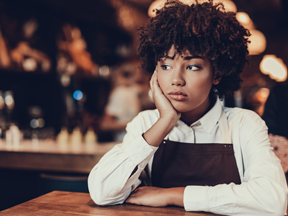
<point x="185" y="57"/>
<point x="191" y="57"/>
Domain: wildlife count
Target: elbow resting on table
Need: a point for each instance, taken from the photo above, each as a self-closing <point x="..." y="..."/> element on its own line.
<point x="98" y="195"/>
<point x="103" y="201"/>
<point x="100" y="198"/>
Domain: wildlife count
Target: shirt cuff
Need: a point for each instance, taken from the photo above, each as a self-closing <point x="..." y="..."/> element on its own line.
<point x="139" y="150"/>
<point x="196" y="198"/>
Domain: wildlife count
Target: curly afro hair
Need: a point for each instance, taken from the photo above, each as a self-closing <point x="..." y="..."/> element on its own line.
<point x="203" y="29"/>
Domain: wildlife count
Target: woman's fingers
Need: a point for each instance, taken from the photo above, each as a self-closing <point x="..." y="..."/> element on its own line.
<point x="153" y="81"/>
<point x="155" y="85"/>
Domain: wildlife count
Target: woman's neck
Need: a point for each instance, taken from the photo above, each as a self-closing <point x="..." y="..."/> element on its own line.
<point x="191" y="117"/>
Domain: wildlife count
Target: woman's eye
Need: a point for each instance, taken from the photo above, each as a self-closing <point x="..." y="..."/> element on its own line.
<point x="165" y="67"/>
<point x="193" y="67"/>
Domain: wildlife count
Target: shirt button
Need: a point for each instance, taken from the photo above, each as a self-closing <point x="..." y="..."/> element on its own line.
<point x="164" y="142"/>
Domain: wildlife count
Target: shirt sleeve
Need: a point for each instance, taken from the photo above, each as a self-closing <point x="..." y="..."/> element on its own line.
<point x="110" y="181"/>
<point x="263" y="190"/>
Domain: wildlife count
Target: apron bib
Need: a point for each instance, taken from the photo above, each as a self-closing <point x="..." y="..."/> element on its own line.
<point x="177" y="164"/>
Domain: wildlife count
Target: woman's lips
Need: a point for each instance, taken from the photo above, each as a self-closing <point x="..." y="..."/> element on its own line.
<point x="178" y="95"/>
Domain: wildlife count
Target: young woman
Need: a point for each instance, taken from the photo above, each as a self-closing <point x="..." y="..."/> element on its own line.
<point x="191" y="151"/>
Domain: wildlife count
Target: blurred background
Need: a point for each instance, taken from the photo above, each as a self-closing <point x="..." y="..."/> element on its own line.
<point x="60" y="60"/>
<point x="70" y="67"/>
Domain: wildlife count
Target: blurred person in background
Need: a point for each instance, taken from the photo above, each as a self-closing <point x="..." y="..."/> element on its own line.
<point x="128" y="97"/>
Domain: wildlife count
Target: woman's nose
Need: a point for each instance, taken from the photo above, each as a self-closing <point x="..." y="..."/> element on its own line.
<point x="178" y="79"/>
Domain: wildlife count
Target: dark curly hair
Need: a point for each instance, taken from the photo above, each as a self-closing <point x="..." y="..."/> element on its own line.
<point x="204" y="29"/>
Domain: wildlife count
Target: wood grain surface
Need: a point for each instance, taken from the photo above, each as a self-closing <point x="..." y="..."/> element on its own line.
<point x="71" y="203"/>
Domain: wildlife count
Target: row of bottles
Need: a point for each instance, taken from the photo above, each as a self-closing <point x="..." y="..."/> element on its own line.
<point x="13" y="135"/>
<point x="76" y="137"/>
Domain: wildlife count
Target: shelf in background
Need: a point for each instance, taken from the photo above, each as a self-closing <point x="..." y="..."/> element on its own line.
<point x="51" y="156"/>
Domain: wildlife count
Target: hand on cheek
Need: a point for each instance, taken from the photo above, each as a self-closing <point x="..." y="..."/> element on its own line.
<point x="161" y="101"/>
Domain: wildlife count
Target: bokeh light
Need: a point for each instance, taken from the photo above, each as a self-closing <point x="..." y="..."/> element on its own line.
<point x="9" y="100"/>
<point x="104" y="71"/>
<point x="78" y="95"/>
<point x="245" y="20"/>
<point x="258" y="42"/>
<point x="2" y="102"/>
<point x="274" y="67"/>
<point x="158" y="4"/>
<point x="34" y="123"/>
<point x="29" y="64"/>
<point x="65" y="80"/>
<point x="228" y="5"/>
<point x="37" y="123"/>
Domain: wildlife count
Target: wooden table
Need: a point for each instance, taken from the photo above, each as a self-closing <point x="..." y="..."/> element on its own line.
<point x="71" y="203"/>
<point x="52" y="156"/>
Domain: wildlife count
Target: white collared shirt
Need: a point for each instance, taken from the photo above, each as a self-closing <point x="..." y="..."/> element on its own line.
<point x="263" y="190"/>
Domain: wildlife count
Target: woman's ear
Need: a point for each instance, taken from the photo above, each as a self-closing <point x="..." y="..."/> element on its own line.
<point x="217" y="77"/>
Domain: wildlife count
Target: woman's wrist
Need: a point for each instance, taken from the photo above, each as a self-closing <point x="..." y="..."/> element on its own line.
<point x="169" y="120"/>
<point x="174" y="196"/>
<point x="155" y="135"/>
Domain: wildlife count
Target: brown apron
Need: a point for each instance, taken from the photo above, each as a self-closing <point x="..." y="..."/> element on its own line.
<point x="178" y="164"/>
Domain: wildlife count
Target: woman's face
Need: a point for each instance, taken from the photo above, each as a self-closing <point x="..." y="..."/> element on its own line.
<point x="186" y="80"/>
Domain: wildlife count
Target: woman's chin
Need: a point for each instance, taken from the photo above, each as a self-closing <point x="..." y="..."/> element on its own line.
<point x="181" y="109"/>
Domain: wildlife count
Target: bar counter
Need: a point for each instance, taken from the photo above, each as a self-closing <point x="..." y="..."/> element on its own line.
<point x="52" y="156"/>
<point x="32" y="168"/>
<point x="72" y="203"/>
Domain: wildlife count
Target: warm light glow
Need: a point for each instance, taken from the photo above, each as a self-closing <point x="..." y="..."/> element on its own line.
<point x="46" y="65"/>
<point x="258" y="42"/>
<point x="29" y="64"/>
<point x="104" y="71"/>
<point x="35" y="111"/>
<point x="228" y="5"/>
<point x="29" y="28"/>
<point x="76" y="33"/>
<point x="37" y="123"/>
<point x="9" y="100"/>
<point x="41" y="122"/>
<point x="260" y="97"/>
<point x="71" y="68"/>
<point x="243" y="17"/>
<point x="158" y="4"/>
<point x="65" y="80"/>
<point x="190" y="2"/>
<point x="262" y="94"/>
<point x="274" y="67"/>
<point x="2" y="103"/>
<point x="245" y="20"/>
<point x="126" y="17"/>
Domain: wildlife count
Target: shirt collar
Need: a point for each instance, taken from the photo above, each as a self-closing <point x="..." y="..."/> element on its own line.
<point x="211" y="118"/>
